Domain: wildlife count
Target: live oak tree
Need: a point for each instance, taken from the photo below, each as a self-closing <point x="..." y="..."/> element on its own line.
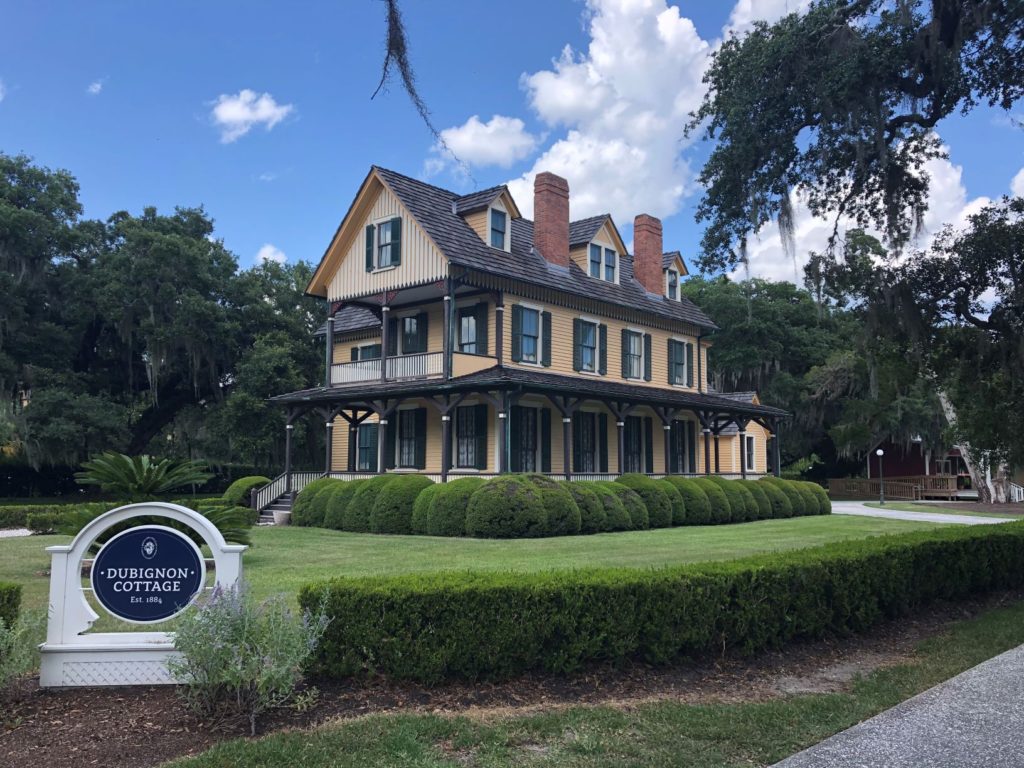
<point x="839" y="104"/>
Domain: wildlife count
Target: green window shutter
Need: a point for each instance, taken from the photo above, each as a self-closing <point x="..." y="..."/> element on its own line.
<point x="390" y="430"/>
<point x="515" y="440"/>
<point x="671" y="360"/>
<point x="577" y="442"/>
<point x="602" y="349"/>
<point x="577" y="353"/>
<point x="420" y="431"/>
<point x="481" y="328"/>
<point x="602" y="441"/>
<point x="691" y="444"/>
<point x="396" y="241"/>
<point x="517" y="333"/>
<point x="545" y="440"/>
<point x="421" y="332"/>
<point x="689" y="365"/>
<point x="647" y="357"/>
<point x="480" y="422"/>
<point x="372" y="440"/>
<point x="369" y="247"/>
<point x="354" y="355"/>
<point x="392" y="336"/>
<point x="648" y="443"/>
<point x="545" y="323"/>
<point x="625" y="359"/>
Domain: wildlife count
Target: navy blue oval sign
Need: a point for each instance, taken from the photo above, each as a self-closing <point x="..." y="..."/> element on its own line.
<point x="146" y="574"/>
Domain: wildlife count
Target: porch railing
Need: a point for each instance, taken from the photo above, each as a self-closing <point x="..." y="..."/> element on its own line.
<point x="870" y="488"/>
<point x="424" y="365"/>
<point x="268" y="494"/>
<point x="1016" y="493"/>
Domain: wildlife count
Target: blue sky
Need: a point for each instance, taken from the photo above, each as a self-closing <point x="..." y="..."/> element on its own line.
<point x="123" y="96"/>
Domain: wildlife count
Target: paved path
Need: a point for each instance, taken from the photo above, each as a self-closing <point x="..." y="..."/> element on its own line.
<point x="10" y="533"/>
<point x="857" y="508"/>
<point x="972" y="720"/>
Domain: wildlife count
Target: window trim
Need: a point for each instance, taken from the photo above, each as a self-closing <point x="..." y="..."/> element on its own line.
<point x="684" y="341"/>
<point x="456" y="467"/>
<point x="639" y="333"/>
<point x="605" y="249"/>
<point x="399" y="467"/>
<point x="540" y="334"/>
<point x="751" y="453"/>
<point x="466" y="310"/>
<point x="377" y="244"/>
<point x="507" y="244"/>
<point x="361" y="347"/>
<point x="668" y="284"/>
<point x="592" y="321"/>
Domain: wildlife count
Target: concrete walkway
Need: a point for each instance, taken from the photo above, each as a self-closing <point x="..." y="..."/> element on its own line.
<point x="972" y="720"/>
<point x="858" y="508"/>
<point x="10" y="533"/>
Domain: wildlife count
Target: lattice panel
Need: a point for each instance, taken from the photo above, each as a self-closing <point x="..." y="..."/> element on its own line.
<point x="85" y="673"/>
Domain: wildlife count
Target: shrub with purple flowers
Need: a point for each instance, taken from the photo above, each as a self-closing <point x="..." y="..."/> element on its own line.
<point x="242" y="657"/>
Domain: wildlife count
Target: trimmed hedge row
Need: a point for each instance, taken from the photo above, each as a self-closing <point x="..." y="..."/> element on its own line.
<point x="10" y="602"/>
<point x="237" y="494"/>
<point x="443" y="626"/>
<point x="47" y="518"/>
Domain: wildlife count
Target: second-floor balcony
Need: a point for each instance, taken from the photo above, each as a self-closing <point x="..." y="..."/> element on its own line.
<point x="425" y="365"/>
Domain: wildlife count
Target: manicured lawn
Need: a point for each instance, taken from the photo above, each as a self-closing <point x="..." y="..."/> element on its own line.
<point x="910" y="506"/>
<point x="283" y="559"/>
<point x="659" y="734"/>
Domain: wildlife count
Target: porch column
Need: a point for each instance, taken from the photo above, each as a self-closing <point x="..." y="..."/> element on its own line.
<point x="743" y="453"/>
<point x="499" y="328"/>
<point x="329" y="350"/>
<point x="718" y="469"/>
<point x="620" y="427"/>
<point x="385" y="312"/>
<point x="288" y="428"/>
<point x="567" y="446"/>
<point x="353" y="445"/>
<point x="669" y="469"/>
<point x="329" y="447"/>
<point x="707" y="450"/>
<point x="503" y="434"/>
<point x="381" y="430"/>
<point x="778" y="454"/>
<point x="446" y="342"/>
<point x="446" y="445"/>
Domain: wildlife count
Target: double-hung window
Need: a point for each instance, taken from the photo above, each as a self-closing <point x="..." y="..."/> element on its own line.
<point x="585" y="438"/>
<point x="467" y="330"/>
<point x="602" y="262"/>
<point x="610" y="264"/>
<point x="413" y="338"/>
<point x="366" y="448"/>
<point x="407" y="438"/>
<point x="673" y="284"/>
<point x="531" y="335"/>
<point x="588" y="346"/>
<point x="471" y="437"/>
<point x="366" y="352"/>
<point x="386" y="246"/>
<point x="634" y="355"/>
<point x="595" y="260"/>
<point x="677" y="362"/>
<point x="750" y="452"/>
<point x="499" y="226"/>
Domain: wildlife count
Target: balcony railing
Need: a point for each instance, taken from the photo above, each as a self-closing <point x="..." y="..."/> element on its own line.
<point x="426" y="365"/>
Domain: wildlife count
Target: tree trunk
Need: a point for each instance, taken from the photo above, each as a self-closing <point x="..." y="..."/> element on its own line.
<point x="991" y="490"/>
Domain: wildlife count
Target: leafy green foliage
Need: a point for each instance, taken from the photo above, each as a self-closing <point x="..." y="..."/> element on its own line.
<point x="497" y="625"/>
<point x="781" y="505"/>
<point x="617" y="517"/>
<point x="336" y="498"/>
<point x="634" y="504"/>
<point x="593" y="518"/>
<point x="357" y="514"/>
<point x="10" y="602"/>
<point x="721" y="506"/>
<point x="392" y="510"/>
<point x="507" y="507"/>
<point x="234" y="523"/>
<point x="302" y="509"/>
<point x="446" y="515"/>
<point x="737" y="501"/>
<point x="655" y="498"/>
<point x="19" y="645"/>
<point x="421" y="507"/>
<point x="238" y="492"/>
<point x="764" y="506"/>
<point x="795" y="498"/>
<point x="695" y="501"/>
<point x="141" y="477"/>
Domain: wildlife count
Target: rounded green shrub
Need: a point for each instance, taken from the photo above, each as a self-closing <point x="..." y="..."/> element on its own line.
<point x="357" y="514"/>
<point x="737" y="501"/>
<point x="318" y="503"/>
<point x="634" y="504"/>
<point x="781" y="506"/>
<point x="656" y="499"/>
<point x="721" y="509"/>
<point x="302" y="513"/>
<point x="695" y="501"/>
<point x="593" y="517"/>
<point x="753" y="510"/>
<point x="616" y="515"/>
<point x="764" y="506"/>
<point x="337" y="497"/>
<point x="811" y="505"/>
<point x="796" y="499"/>
<point x="238" y="492"/>
<point x="676" y="500"/>
<point x="392" y="509"/>
<point x="446" y="515"/>
<point x="508" y="507"/>
<point x="421" y="508"/>
<point x="564" y="517"/>
<point x="824" y="502"/>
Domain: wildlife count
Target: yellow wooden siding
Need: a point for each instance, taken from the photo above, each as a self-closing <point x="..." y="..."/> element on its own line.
<point x="421" y="260"/>
<point x="435" y="332"/>
<point x="463" y="365"/>
<point x="562" y="352"/>
<point x="478" y="223"/>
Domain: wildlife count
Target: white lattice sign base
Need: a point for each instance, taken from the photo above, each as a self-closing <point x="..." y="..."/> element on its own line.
<point x="73" y="657"/>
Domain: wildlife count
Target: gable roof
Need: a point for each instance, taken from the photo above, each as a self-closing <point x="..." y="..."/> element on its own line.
<point x="351" y="318"/>
<point x="434" y="211"/>
<point x="476" y="200"/>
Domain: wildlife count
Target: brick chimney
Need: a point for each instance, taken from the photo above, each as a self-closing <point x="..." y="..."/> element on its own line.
<point x="647" y="250"/>
<point x="551" y="218"/>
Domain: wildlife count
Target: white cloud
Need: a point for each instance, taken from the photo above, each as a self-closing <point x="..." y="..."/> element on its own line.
<point x="3" y="90"/>
<point x="746" y="12"/>
<point x="236" y="114"/>
<point x="94" y="88"/>
<point x="1017" y="185"/>
<point x="267" y="176"/>
<point x="270" y="253"/>
<point x="501" y="141"/>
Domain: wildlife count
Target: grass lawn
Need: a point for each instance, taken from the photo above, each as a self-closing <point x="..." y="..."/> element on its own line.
<point x="911" y="506"/>
<point x="283" y="559"/>
<point x="650" y="735"/>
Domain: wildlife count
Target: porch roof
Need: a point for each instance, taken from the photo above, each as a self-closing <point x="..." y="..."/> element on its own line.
<point x="528" y="381"/>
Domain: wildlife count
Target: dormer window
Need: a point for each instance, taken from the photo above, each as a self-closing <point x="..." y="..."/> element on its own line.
<point x="672" y="284"/>
<point x="499" y="229"/>
<point x="603" y="262"/>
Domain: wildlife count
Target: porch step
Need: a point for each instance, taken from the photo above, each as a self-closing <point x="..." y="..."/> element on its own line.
<point x="282" y="504"/>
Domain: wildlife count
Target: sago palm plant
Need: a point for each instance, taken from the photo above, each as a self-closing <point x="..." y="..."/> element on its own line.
<point x="140" y="478"/>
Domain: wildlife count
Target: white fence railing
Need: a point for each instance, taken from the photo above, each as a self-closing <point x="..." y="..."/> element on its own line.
<point x="268" y="494"/>
<point x="1016" y="493"/>
<point x="419" y="366"/>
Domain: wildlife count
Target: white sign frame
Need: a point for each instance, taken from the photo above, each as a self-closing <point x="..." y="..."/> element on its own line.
<point x="72" y="658"/>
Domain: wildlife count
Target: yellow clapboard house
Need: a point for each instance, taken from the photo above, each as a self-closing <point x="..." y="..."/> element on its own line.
<point x="462" y="338"/>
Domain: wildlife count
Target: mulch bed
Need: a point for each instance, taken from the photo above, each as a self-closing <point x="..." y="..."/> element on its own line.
<point x="133" y="727"/>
